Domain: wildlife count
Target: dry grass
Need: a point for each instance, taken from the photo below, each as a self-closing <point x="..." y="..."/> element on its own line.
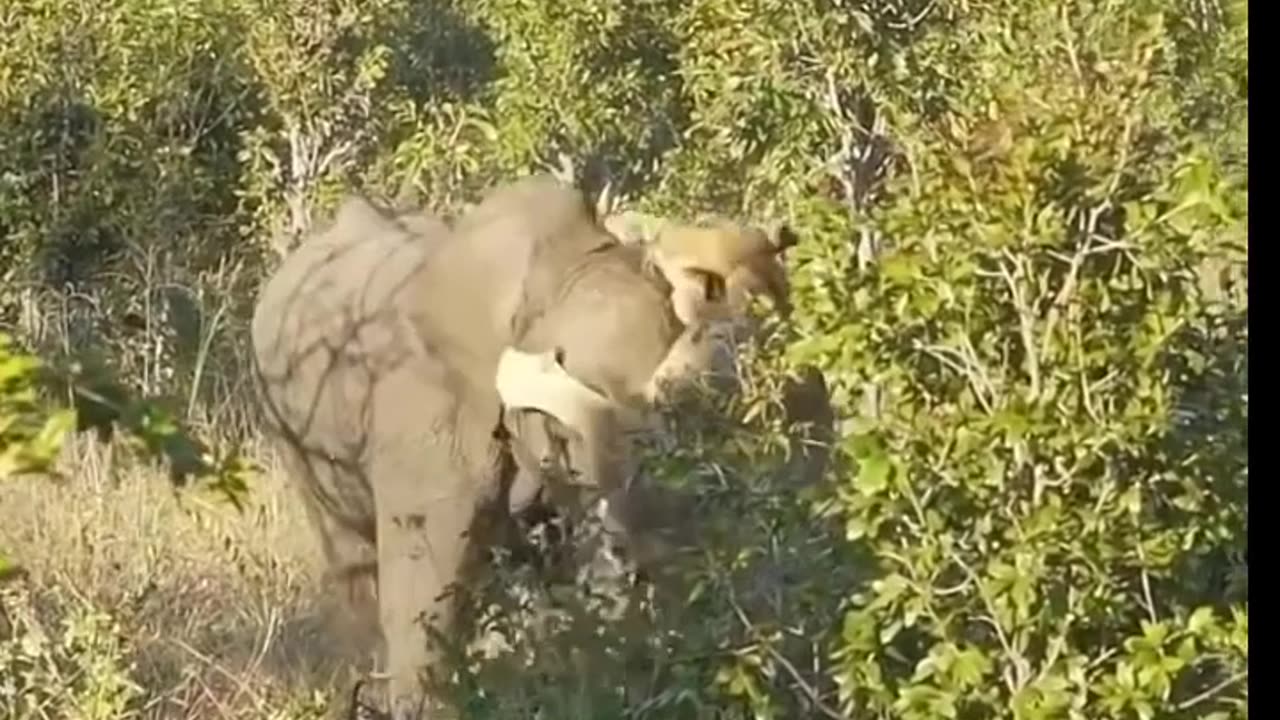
<point x="219" y="612"/>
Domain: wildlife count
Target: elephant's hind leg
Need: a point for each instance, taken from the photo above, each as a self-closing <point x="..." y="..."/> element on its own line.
<point x="350" y="577"/>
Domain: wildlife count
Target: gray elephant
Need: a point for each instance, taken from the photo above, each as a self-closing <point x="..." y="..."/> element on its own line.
<point x="412" y="373"/>
<point x="423" y="383"/>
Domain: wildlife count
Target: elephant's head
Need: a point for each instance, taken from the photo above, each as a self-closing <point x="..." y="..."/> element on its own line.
<point x="588" y="372"/>
<point x="589" y="324"/>
<point x="589" y="362"/>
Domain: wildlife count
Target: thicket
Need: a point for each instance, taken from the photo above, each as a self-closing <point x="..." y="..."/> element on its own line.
<point x="1023" y="272"/>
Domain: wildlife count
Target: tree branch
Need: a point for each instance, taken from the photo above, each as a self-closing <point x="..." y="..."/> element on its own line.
<point x="805" y="687"/>
<point x="1146" y="585"/>
<point x="1016" y="658"/>
<point x="1213" y="691"/>
<point x="1026" y="320"/>
<point x="972" y="374"/>
<point x="1069" y="284"/>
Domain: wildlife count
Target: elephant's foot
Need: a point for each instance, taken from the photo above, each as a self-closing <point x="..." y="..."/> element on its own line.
<point x="372" y="699"/>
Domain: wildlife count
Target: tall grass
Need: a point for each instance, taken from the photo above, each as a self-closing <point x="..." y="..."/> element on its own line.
<point x="142" y="602"/>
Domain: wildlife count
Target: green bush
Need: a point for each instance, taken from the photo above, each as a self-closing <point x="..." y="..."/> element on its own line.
<point x="30" y="433"/>
<point x="1053" y="470"/>
<point x="79" y="669"/>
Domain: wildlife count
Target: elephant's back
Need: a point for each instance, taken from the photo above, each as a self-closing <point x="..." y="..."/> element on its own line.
<point x="332" y="314"/>
<point x="555" y="204"/>
<point x="507" y="257"/>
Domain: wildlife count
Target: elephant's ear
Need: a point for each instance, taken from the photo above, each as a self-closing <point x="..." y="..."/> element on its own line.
<point x="538" y="381"/>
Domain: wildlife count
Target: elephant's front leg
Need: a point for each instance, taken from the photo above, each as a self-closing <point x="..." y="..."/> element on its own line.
<point x="422" y="547"/>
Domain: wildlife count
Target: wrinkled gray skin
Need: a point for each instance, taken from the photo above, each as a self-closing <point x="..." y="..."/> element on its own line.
<point x="377" y="343"/>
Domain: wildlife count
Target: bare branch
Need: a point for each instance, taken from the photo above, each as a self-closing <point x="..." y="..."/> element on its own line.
<point x="1069" y="284"/>
<point x="1072" y="56"/>
<point x="961" y="365"/>
<point x="339" y="152"/>
<point x="214" y="665"/>
<point x="1026" y="320"/>
<point x="838" y="163"/>
<point x="1015" y="658"/>
<point x="979" y="369"/>
<point x="1213" y="691"/>
<point x="564" y="169"/>
<point x="810" y="692"/>
<point x="1102" y="658"/>
<point x="833" y="96"/>
<point x="915" y="20"/>
<point x="1147" y="601"/>
<point x="1123" y="162"/>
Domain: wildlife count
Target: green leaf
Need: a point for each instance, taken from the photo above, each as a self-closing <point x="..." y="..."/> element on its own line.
<point x="1131" y="501"/>
<point x="889" y="589"/>
<point x="1011" y="422"/>
<point x="8" y="568"/>
<point x="859" y="629"/>
<point x="1155" y="633"/>
<point x="969" y="667"/>
<point x="902" y="269"/>
<point x="890" y="631"/>
<point x="873" y="474"/>
<point x="49" y="440"/>
<point x="1201" y="621"/>
<point x="856" y="528"/>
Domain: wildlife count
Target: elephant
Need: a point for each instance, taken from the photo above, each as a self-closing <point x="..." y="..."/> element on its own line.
<point x="412" y="374"/>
